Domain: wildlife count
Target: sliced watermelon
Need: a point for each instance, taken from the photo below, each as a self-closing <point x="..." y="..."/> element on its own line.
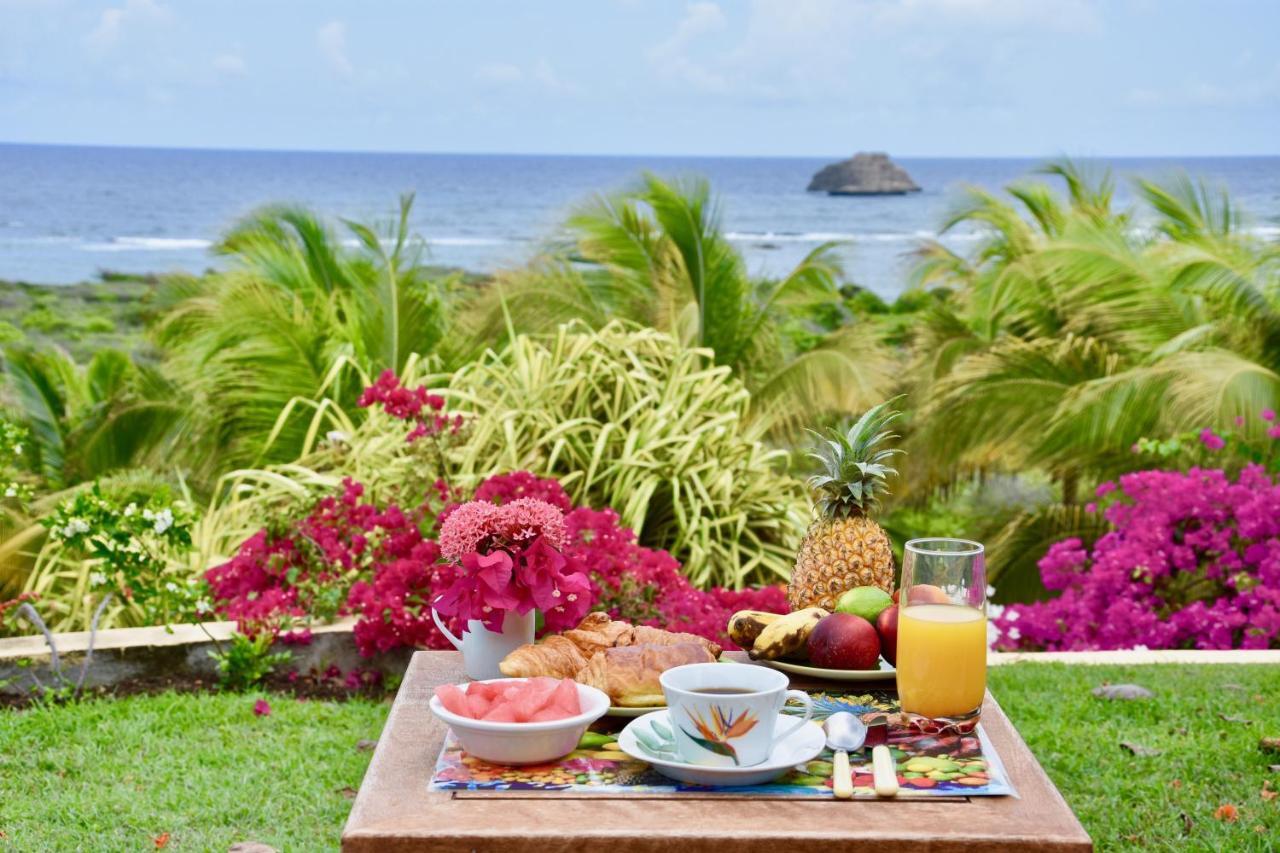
<point x="453" y="700"/>
<point x="478" y="705"/>
<point x="502" y="712"/>
<point x="565" y="699"/>
<point x="533" y="697"/>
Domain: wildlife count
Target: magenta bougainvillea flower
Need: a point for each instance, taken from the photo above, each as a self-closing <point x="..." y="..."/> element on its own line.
<point x="1193" y="561"/>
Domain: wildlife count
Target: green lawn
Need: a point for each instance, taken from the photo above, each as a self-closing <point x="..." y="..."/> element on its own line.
<point x="1204" y="761"/>
<point x="114" y="775"/>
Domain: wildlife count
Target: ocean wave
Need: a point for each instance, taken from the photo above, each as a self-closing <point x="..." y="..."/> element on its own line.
<point x="148" y="244"/>
<point x="853" y="237"/>
<point x="467" y="241"/>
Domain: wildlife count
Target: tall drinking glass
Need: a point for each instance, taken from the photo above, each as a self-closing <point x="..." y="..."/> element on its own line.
<point x="942" y="634"/>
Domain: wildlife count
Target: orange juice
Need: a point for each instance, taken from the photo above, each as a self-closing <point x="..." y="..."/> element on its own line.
<point x="942" y="659"/>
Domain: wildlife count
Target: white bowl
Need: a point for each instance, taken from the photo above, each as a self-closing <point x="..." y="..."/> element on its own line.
<point x="524" y="743"/>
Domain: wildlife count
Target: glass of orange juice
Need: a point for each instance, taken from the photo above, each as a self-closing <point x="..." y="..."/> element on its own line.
<point x="942" y="634"/>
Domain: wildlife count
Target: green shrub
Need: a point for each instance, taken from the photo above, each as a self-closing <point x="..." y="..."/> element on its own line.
<point x="9" y="333"/>
<point x="98" y="325"/>
<point x="44" y="319"/>
<point x="626" y="417"/>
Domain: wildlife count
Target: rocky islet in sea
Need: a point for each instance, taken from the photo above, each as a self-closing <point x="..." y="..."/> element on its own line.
<point x="865" y="173"/>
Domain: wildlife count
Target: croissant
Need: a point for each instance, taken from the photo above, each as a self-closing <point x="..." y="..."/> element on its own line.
<point x="597" y="632"/>
<point x="643" y="634"/>
<point x="629" y="674"/>
<point x="555" y="656"/>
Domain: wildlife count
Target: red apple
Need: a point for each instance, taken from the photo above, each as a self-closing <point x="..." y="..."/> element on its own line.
<point x="927" y="593"/>
<point x="895" y="595"/>
<point x="844" y="641"/>
<point x="887" y="628"/>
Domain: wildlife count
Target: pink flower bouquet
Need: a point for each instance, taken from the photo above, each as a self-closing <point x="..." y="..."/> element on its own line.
<point x="510" y="559"/>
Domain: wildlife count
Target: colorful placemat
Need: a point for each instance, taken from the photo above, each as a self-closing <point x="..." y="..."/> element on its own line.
<point x="928" y="765"/>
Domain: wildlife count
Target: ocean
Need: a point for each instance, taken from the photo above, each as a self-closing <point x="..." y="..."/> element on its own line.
<point x="69" y="213"/>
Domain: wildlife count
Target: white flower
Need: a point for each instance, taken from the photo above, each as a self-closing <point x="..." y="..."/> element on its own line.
<point x="991" y="590"/>
<point x="1014" y="633"/>
<point x="130" y="510"/>
<point x="164" y="520"/>
<point x="97" y="579"/>
<point x="11" y="492"/>
<point x="17" y="450"/>
<point x="337" y="436"/>
<point x="1013" y="616"/>
<point x="148" y="515"/>
<point x="75" y="526"/>
<point x="171" y="586"/>
<point x="203" y="605"/>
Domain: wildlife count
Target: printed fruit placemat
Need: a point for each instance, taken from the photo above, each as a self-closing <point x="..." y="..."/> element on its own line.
<point x="928" y="765"/>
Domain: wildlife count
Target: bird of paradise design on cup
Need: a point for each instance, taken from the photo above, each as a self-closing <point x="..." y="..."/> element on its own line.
<point x="722" y="728"/>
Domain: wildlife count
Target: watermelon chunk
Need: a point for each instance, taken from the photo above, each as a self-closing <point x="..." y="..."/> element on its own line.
<point x="502" y="712"/>
<point x="478" y="705"/>
<point x="565" y="699"/>
<point x="533" y="697"/>
<point x="453" y="700"/>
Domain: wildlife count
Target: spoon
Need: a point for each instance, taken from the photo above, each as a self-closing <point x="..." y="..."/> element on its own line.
<point x="845" y="733"/>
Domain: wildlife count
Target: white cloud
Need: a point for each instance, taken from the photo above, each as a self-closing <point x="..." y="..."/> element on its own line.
<point x="332" y="41"/>
<point x="541" y="75"/>
<point x="499" y="72"/>
<point x="116" y="20"/>
<point x="672" y="56"/>
<point x="230" y="64"/>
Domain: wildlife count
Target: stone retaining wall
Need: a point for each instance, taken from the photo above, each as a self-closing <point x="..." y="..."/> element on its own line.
<point x="120" y="654"/>
<point x="183" y="650"/>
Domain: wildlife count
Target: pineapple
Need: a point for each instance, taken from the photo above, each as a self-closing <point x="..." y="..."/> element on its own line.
<point x="844" y="547"/>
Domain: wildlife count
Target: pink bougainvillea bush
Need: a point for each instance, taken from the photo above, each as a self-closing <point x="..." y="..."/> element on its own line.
<point x="520" y="536"/>
<point x="1193" y="561"/>
<point x="348" y="556"/>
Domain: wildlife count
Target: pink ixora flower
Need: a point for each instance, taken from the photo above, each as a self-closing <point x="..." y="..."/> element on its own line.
<point x="1273" y="432"/>
<point x="261" y="708"/>
<point x="482" y="526"/>
<point x="1268" y="414"/>
<point x="1211" y="439"/>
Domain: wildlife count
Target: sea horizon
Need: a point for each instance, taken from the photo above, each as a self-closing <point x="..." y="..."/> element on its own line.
<point x="70" y="212"/>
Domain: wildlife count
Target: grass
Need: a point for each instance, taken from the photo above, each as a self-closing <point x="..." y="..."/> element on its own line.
<point x="110" y="775"/>
<point x="116" y="774"/>
<point x="1204" y="762"/>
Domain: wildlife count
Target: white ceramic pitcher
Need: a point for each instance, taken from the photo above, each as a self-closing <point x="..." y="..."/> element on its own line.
<point x="482" y="649"/>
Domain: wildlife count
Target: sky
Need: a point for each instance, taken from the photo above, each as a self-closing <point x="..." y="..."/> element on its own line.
<point x="714" y="77"/>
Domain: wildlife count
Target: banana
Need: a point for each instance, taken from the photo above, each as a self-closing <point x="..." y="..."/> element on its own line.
<point x="786" y="636"/>
<point x="746" y="625"/>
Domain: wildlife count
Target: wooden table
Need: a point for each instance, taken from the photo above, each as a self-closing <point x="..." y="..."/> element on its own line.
<point x="394" y="811"/>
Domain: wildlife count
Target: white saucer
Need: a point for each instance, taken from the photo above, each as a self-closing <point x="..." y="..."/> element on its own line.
<point x="885" y="671"/>
<point x="804" y="745"/>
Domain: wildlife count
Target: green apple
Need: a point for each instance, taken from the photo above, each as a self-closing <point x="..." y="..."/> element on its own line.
<point x="864" y="601"/>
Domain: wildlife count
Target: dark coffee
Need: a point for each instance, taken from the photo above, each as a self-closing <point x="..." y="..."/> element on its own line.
<point x="722" y="691"/>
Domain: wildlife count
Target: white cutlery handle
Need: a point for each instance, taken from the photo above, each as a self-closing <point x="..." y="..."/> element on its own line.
<point x="885" y="776"/>
<point x="841" y="778"/>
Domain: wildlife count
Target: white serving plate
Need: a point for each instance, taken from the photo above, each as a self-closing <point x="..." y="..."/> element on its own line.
<point x="885" y="671"/>
<point x="803" y="745"/>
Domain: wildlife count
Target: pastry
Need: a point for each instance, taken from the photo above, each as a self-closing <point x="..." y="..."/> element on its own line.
<point x="556" y="656"/>
<point x="629" y="674"/>
<point x="597" y="631"/>
<point x="644" y="635"/>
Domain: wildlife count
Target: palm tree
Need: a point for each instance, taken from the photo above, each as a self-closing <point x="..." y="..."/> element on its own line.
<point x="1071" y="331"/>
<point x="298" y="319"/>
<point x="85" y="421"/>
<point x="656" y="255"/>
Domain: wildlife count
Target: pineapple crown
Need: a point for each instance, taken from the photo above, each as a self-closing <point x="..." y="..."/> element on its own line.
<point x="853" y="467"/>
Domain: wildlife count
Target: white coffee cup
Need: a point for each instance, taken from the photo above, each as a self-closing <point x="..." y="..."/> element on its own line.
<point x="734" y="728"/>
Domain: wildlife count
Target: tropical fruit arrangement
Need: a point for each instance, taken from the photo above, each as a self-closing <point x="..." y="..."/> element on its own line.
<point x="843" y="602"/>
